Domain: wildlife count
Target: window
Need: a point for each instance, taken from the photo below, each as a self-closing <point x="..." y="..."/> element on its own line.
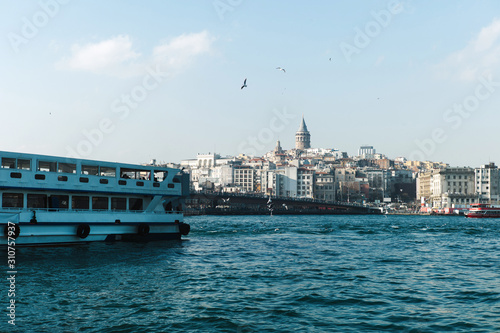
<point x="135" y="204"/>
<point x="59" y="201"/>
<point x="91" y="170"/>
<point x="80" y="202"/>
<point x="134" y="174"/>
<point x="118" y="203"/>
<point x="12" y="200"/>
<point x="37" y="201"/>
<point x="47" y="166"/>
<point x="99" y="203"/>
<point x="160" y="175"/>
<point x="8" y="163"/>
<point x="24" y="164"/>
<point x="67" y="168"/>
<point x="108" y="172"/>
<point x="12" y="163"/>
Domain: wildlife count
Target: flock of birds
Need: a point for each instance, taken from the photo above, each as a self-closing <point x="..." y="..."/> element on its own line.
<point x="278" y="68"/>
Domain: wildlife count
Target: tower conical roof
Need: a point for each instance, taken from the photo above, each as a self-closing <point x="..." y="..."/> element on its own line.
<point x="303" y="126"/>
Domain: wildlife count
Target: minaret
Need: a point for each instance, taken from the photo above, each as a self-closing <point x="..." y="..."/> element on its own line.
<point x="302" y="137"/>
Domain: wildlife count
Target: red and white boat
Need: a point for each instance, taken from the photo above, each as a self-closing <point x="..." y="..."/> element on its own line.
<point x="481" y="210"/>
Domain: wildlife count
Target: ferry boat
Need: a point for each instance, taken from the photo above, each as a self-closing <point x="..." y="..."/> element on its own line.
<point x="481" y="210"/>
<point x="49" y="200"/>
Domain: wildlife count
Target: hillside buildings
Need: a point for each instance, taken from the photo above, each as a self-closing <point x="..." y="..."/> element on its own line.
<point x="332" y="175"/>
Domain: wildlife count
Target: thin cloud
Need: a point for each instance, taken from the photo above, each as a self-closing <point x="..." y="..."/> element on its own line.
<point x="481" y="56"/>
<point x="179" y="51"/>
<point x="116" y="56"/>
<point x="113" y="57"/>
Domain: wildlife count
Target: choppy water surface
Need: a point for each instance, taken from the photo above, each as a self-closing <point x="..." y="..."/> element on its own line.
<point x="272" y="274"/>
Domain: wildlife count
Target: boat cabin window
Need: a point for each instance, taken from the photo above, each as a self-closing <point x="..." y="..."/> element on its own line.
<point x="108" y="172"/>
<point x="12" y="163"/>
<point x="23" y="164"/>
<point x="37" y="201"/>
<point x="135" y="174"/>
<point x="160" y="175"/>
<point x="91" y="170"/>
<point x="12" y="200"/>
<point x="59" y="201"/>
<point x="8" y="163"/>
<point x="47" y="166"/>
<point x="99" y="203"/>
<point x="135" y="204"/>
<point x="67" y="168"/>
<point x="80" y="202"/>
<point x="119" y="203"/>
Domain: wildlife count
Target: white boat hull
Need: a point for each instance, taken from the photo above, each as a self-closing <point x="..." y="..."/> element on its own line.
<point x="54" y="228"/>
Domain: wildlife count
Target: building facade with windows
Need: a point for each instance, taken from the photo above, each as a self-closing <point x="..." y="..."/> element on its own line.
<point x="452" y="187"/>
<point x="487" y="183"/>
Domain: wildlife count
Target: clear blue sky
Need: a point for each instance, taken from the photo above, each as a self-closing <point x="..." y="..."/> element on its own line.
<point x="130" y="81"/>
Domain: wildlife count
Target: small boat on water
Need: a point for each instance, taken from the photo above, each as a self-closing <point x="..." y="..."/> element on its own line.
<point x="47" y="200"/>
<point x="481" y="210"/>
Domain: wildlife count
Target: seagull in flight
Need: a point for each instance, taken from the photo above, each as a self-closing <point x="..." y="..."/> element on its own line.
<point x="244" y="84"/>
<point x="281" y="69"/>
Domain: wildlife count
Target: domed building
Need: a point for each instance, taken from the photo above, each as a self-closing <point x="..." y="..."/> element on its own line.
<point x="302" y="137"/>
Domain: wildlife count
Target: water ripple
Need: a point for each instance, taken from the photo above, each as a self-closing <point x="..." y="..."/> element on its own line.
<point x="273" y="274"/>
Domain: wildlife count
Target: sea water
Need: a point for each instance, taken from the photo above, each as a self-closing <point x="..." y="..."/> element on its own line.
<point x="270" y="274"/>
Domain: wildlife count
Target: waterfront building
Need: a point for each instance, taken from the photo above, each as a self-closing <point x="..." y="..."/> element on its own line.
<point x="377" y="182"/>
<point x="324" y="186"/>
<point x="453" y="187"/>
<point x="305" y="182"/>
<point x="244" y="177"/>
<point x="280" y="182"/>
<point x="486" y="179"/>
<point x="302" y="137"/>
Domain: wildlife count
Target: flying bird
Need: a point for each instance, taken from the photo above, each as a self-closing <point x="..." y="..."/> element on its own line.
<point x="330" y="59"/>
<point x="281" y="69"/>
<point x="244" y="84"/>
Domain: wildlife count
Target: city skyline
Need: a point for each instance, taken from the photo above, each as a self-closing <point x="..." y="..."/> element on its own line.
<point x="163" y="80"/>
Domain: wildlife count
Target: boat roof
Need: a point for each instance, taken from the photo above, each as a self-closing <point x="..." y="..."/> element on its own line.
<point x="72" y="160"/>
